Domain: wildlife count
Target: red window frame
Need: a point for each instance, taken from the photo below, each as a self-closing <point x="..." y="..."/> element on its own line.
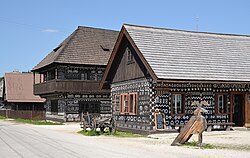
<point x="129" y="103"/>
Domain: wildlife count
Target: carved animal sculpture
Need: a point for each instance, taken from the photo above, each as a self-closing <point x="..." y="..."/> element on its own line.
<point x="196" y="124"/>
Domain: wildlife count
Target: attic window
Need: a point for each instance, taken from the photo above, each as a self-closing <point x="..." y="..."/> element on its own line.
<point x="57" y="48"/>
<point x="130" y="57"/>
<point x="104" y="48"/>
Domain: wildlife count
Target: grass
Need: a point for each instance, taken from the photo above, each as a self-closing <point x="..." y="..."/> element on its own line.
<point x="195" y="144"/>
<point x="244" y="147"/>
<point x="126" y="134"/>
<point x="89" y="133"/>
<point x="117" y="134"/>
<point x="2" y="117"/>
<point x="37" y="122"/>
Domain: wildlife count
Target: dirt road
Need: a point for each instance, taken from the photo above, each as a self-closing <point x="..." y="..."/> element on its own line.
<point x="26" y="141"/>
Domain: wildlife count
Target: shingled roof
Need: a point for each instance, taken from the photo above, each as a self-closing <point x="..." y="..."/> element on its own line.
<point x="86" y="45"/>
<point x="186" y="55"/>
<point x="19" y="88"/>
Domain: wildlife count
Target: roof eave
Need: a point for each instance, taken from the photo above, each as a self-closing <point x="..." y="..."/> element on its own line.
<point x="111" y="59"/>
<point x="201" y="81"/>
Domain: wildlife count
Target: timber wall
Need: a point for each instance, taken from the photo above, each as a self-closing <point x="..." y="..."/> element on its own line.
<point x="68" y="106"/>
<point x="143" y="119"/>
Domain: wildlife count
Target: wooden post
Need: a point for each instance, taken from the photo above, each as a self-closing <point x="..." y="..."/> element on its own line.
<point x="47" y="76"/>
<point x="231" y="107"/>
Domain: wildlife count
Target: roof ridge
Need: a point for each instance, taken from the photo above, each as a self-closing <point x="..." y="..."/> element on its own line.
<point x="96" y="28"/>
<point x="188" y="31"/>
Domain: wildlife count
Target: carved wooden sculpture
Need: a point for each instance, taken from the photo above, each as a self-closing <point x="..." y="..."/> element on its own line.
<point x="196" y="124"/>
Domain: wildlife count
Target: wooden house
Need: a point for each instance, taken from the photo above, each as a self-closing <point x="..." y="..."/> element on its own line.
<point x="71" y="73"/>
<point x="18" y="92"/>
<point x="155" y="74"/>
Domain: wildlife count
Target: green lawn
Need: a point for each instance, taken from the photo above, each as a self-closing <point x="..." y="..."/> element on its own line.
<point x="2" y="117"/>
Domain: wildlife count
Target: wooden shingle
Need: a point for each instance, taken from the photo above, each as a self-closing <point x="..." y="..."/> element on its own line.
<point x="84" y="46"/>
<point x="187" y="55"/>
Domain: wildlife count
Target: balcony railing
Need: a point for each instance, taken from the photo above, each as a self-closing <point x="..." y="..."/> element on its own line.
<point x="68" y="86"/>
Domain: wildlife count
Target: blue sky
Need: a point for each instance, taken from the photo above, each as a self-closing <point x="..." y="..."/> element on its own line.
<point x="30" y="29"/>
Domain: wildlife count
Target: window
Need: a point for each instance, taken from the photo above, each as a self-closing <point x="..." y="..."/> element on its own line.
<point x="58" y="47"/>
<point x="105" y="48"/>
<point x="72" y="73"/>
<point x="130" y="56"/>
<point x="50" y="75"/>
<point x="178" y="104"/>
<point x="45" y="77"/>
<point x="128" y="103"/>
<point x="84" y="76"/>
<point x="92" y="75"/>
<point x="223" y="104"/>
<point x="99" y="75"/>
<point x="54" y="106"/>
<point x="90" y="107"/>
<point x="61" y="73"/>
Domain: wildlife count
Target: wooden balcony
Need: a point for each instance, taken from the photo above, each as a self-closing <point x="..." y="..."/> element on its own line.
<point x="68" y="86"/>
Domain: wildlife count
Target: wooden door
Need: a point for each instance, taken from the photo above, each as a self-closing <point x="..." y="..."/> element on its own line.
<point x="247" y="110"/>
<point x="238" y="109"/>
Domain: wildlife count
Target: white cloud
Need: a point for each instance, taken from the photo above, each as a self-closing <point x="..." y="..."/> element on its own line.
<point x="51" y="30"/>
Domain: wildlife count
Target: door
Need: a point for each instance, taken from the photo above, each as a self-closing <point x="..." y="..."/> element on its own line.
<point x="238" y="109"/>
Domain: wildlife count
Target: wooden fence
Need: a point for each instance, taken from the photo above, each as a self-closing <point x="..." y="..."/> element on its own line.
<point x="21" y="114"/>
